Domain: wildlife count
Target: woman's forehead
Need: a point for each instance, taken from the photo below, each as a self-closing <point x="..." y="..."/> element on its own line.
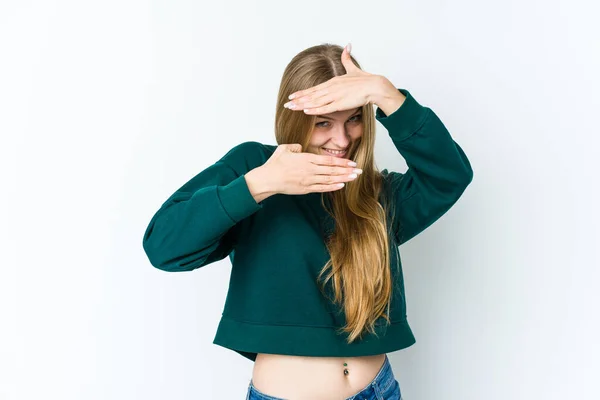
<point x="339" y="114"/>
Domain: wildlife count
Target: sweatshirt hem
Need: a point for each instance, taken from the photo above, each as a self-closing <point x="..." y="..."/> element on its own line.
<point x="248" y="339"/>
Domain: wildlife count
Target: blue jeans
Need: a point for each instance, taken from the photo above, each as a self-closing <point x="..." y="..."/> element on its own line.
<point x="383" y="387"/>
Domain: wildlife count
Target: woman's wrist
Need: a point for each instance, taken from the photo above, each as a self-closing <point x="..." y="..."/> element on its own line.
<point x="387" y="96"/>
<point x="259" y="184"/>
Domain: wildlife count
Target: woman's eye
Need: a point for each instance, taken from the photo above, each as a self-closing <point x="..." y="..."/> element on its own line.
<point x="353" y="119"/>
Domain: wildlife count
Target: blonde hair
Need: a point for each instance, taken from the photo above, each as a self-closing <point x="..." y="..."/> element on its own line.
<point x="359" y="246"/>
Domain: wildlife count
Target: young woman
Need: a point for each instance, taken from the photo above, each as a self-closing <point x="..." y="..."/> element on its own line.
<point x="312" y="229"/>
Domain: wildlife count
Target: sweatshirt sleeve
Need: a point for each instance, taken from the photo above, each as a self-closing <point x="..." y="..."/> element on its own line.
<point x="438" y="169"/>
<point x="193" y="227"/>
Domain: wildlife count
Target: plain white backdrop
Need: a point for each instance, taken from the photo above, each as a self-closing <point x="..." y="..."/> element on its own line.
<point x="108" y="107"/>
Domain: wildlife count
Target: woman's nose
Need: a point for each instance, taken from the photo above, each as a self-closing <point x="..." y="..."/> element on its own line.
<point x="341" y="137"/>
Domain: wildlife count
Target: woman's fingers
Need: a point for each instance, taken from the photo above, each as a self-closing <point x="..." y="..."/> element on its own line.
<point x="333" y="170"/>
<point x="328" y="165"/>
<point x="326" y="188"/>
<point x="330" y="179"/>
<point x="330" y="160"/>
<point x="328" y="172"/>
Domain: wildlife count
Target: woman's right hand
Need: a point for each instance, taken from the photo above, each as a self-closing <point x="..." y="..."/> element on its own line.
<point x="291" y="171"/>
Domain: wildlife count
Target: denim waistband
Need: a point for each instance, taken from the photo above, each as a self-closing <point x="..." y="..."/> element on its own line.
<point x="385" y="377"/>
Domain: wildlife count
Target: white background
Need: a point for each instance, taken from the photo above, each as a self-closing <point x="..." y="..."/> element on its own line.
<point x="108" y="107"/>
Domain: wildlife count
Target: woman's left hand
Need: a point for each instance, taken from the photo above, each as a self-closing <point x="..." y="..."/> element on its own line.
<point x="344" y="92"/>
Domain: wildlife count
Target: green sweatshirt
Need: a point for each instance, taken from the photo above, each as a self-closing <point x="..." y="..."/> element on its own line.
<point x="277" y="247"/>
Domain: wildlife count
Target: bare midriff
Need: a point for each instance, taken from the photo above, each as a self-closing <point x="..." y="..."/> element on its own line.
<point x="314" y="378"/>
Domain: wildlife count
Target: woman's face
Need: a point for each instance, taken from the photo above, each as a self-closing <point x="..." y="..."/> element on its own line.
<point x="336" y="131"/>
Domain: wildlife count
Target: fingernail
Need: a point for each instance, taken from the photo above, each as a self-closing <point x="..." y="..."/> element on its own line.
<point x="352" y="176"/>
<point x="291" y="96"/>
<point x="352" y="163"/>
<point x="349" y="47"/>
<point x="357" y="171"/>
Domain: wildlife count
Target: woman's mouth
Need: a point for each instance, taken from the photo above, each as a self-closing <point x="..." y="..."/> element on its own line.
<point x="335" y="153"/>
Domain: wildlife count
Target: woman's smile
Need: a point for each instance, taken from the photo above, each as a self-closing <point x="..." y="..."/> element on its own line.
<point x="335" y="153"/>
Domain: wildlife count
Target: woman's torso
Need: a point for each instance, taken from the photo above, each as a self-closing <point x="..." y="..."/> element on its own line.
<point x="315" y="378"/>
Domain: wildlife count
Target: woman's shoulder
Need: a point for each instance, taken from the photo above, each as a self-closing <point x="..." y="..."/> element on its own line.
<point x="248" y="155"/>
<point x="252" y="146"/>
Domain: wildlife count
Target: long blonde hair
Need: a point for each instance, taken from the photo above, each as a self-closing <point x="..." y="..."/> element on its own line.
<point x="359" y="246"/>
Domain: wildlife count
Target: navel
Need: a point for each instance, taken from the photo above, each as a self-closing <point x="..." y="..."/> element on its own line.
<point x="345" y="369"/>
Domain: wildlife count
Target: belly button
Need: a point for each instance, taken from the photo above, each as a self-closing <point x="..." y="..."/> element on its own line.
<point x="345" y="369"/>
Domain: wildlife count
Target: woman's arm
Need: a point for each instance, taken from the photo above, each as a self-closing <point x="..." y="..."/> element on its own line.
<point x="193" y="227"/>
<point x="438" y="169"/>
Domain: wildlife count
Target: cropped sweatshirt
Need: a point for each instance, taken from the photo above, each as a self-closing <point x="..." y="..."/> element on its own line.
<point x="277" y="246"/>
